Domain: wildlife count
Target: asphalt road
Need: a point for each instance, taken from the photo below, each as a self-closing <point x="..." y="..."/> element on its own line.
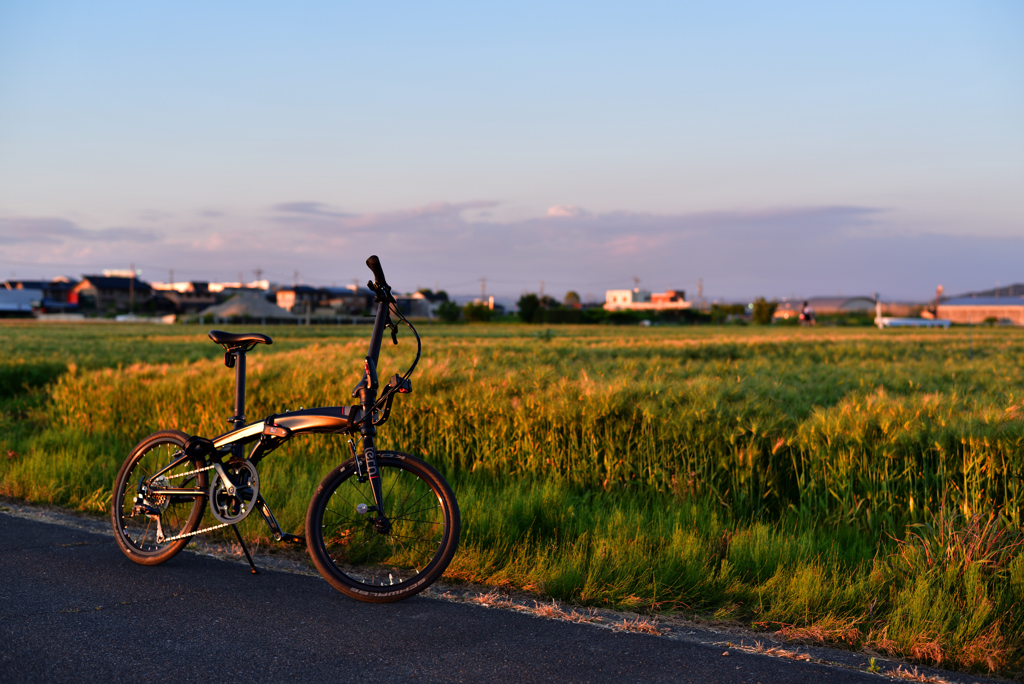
<point x="73" y="608"/>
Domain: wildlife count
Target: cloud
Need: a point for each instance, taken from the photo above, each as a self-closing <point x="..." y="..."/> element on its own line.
<point x="318" y="218"/>
<point x="565" y="211"/>
<point x="126" y="234"/>
<point x="59" y="231"/>
<point x="308" y="209"/>
<point x="46" y="230"/>
<point x="571" y="244"/>
<point x="804" y="251"/>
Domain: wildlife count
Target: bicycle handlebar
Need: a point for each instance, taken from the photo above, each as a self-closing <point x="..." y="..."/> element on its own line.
<point x="378" y="273"/>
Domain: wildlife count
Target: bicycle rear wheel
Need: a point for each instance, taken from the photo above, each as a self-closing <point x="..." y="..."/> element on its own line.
<point x="368" y="564"/>
<point x="143" y="522"/>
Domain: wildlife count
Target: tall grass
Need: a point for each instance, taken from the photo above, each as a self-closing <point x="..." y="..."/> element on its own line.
<point x="758" y="475"/>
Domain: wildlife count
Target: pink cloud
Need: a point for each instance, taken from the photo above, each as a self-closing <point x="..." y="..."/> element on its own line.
<point x="565" y="211"/>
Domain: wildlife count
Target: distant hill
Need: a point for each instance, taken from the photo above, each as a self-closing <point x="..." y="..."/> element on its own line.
<point x="1015" y="290"/>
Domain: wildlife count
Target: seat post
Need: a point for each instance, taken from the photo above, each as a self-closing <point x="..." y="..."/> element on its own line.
<point x="239" y="418"/>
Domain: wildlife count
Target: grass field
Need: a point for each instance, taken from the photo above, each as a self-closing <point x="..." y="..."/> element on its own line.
<point x="854" y="486"/>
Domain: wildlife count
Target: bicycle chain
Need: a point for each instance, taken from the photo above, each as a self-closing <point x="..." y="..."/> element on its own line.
<point x="205" y="529"/>
<point x="192" y="534"/>
<point x="190" y="472"/>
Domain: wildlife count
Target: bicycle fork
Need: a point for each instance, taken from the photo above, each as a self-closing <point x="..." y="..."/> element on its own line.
<point x="366" y="467"/>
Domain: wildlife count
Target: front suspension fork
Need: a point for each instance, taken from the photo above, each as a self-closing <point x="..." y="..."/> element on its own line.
<point x="366" y="468"/>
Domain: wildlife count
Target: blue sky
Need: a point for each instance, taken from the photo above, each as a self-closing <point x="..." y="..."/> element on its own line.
<point x="788" y="148"/>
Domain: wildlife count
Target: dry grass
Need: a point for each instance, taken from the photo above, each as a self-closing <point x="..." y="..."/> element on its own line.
<point x="989" y="650"/>
<point x="640" y="625"/>
<point x="957" y="539"/>
<point x="493" y="599"/>
<point x="827" y="631"/>
<point x="914" y="676"/>
<point x="554" y="611"/>
<point x="551" y="611"/>
<point x="773" y="651"/>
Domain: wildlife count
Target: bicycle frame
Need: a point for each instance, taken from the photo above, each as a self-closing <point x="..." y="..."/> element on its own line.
<point x="276" y="429"/>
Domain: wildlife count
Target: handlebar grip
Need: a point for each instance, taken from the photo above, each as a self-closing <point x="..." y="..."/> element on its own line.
<point x="378" y="273"/>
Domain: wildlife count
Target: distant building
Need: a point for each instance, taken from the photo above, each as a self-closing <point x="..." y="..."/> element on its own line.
<point x="247" y="306"/>
<point x="297" y="299"/>
<point x="349" y="300"/>
<point x="188" y="297"/>
<point x="980" y="309"/>
<point x="55" y="293"/>
<point x="20" y="302"/>
<point x="642" y="300"/>
<point x="834" y="305"/>
<point x="425" y="304"/>
<point x="791" y="308"/>
<point x="325" y="301"/>
<point x="237" y="286"/>
<point x="110" y="294"/>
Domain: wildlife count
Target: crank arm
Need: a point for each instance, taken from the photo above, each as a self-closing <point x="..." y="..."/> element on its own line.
<point x="230" y="488"/>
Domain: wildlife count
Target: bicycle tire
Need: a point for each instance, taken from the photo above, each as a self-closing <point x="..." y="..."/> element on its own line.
<point x="136" y="533"/>
<point x="363" y="563"/>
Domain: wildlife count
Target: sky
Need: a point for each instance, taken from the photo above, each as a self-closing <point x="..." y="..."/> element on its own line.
<point x="784" y="149"/>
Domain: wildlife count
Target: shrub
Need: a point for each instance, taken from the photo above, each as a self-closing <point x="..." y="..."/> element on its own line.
<point x="720" y="312"/>
<point x="449" y="312"/>
<point x="477" y="313"/>
<point x="764" y="311"/>
<point x="529" y="305"/>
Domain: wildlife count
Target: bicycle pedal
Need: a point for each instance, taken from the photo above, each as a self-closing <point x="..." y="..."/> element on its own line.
<point x="293" y="539"/>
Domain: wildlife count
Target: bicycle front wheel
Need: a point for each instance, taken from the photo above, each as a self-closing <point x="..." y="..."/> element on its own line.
<point x="146" y="525"/>
<point x="378" y="563"/>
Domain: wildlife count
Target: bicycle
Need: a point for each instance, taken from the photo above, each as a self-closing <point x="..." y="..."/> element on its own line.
<point x="380" y="527"/>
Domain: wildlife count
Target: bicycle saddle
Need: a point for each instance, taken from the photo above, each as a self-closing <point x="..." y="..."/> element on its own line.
<point x="239" y="339"/>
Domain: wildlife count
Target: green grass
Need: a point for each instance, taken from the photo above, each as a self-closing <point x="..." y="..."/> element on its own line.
<point x="772" y="476"/>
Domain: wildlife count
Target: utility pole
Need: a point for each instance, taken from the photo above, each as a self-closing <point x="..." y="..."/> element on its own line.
<point x="239" y="280"/>
<point x="131" y="291"/>
<point x="483" y="288"/>
<point x="636" y="284"/>
<point x="700" y="294"/>
<point x="295" y="281"/>
<point x="259" y="272"/>
<point x="542" y="289"/>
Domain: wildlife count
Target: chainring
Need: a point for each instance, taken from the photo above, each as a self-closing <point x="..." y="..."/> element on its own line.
<point x="233" y="507"/>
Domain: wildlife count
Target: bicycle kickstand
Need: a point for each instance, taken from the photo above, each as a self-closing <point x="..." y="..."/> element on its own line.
<point x="247" y="556"/>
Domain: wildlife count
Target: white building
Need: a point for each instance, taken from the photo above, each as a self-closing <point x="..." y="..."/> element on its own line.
<point x="642" y="300"/>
